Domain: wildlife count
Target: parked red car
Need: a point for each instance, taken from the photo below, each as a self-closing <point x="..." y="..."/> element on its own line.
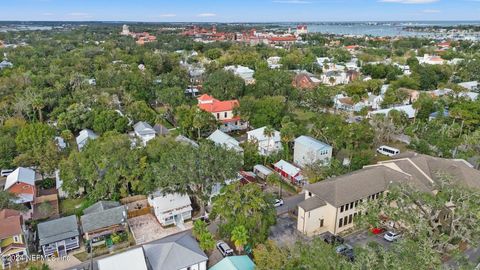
<point x="377" y="230"/>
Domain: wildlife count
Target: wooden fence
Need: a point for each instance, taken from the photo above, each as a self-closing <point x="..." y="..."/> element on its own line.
<point x="138" y="212"/>
<point x="131" y="199"/>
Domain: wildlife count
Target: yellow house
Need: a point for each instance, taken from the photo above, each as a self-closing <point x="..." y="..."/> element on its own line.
<point x="13" y="244"/>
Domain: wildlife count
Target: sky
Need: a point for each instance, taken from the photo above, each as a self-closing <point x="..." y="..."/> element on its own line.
<point x="238" y="10"/>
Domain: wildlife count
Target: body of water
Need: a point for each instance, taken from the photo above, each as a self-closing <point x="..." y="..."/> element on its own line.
<point x="376" y="28"/>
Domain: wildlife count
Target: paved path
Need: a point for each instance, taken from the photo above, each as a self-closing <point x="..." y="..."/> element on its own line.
<point x="290" y="203"/>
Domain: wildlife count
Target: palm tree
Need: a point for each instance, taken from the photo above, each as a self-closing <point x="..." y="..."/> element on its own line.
<point x="269" y="132"/>
<point x="239" y="237"/>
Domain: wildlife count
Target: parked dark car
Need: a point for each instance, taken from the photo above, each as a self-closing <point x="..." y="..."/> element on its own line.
<point x="333" y="239"/>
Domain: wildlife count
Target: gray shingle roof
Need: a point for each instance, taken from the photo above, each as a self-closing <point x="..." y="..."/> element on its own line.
<point x="174" y="252"/>
<point x="57" y="229"/>
<point x="143" y="128"/>
<point x="104" y="218"/>
<point x="312" y="203"/>
<point x="356" y="185"/>
<point x="100" y="206"/>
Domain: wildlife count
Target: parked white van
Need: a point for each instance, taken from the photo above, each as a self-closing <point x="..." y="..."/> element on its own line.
<point x="388" y="151"/>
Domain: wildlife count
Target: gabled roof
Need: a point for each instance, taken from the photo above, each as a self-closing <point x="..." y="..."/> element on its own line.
<point x="166" y="202"/>
<point x="57" y="230"/>
<point x="161" y="130"/>
<point x="100" y="206"/>
<point x="312" y="143"/>
<point x="235" y="263"/>
<point x="102" y="219"/>
<point x="288" y="168"/>
<point x="356" y="185"/>
<point x="20" y="175"/>
<point x="143" y="128"/>
<point x="174" y="252"/>
<point x="131" y="259"/>
<point x="221" y="138"/>
<point x="10" y="223"/>
<point x="218" y="106"/>
<point x="259" y="135"/>
<point x="84" y="136"/>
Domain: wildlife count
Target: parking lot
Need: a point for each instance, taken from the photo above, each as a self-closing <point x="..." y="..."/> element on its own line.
<point x="285" y="231"/>
<point x="361" y="239"/>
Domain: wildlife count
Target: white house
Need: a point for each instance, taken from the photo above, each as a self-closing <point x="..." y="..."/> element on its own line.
<point x="430" y="60"/>
<point x="274" y="62"/>
<point x="5" y="64"/>
<point x="171" y="209"/>
<point x="266" y="145"/>
<point x="144" y="131"/>
<point x="308" y="150"/>
<point x="334" y="77"/>
<point x="243" y="72"/>
<point x="470" y="86"/>
<point x="408" y="109"/>
<point x="84" y="136"/>
<point x="131" y="259"/>
<point x="221" y="138"/>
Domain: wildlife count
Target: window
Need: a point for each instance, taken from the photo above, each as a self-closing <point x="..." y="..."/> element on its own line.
<point x="341" y="210"/>
<point x="309" y="194"/>
<point x="225" y="115"/>
<point x="16" y="239"/>
<point x="356" y="203"/>
<point x="321" y="222"/>
<point x="346" y="207"/>
<point x="218" y="116"/>
<point x="350" y="219"/>
<point x="341" y="223"/>
<point x="351" y="205"/>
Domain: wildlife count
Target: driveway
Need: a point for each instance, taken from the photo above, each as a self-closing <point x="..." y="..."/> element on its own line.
<point x="285" y="232"/>
<point x="290" y="204"/>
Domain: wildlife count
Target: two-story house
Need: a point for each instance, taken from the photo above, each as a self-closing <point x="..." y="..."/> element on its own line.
<point x="267" y="145"/>
<point x="21" y="183"/>
<point x="333" y="205"/>
<point x="171" y="209"/>
<point x="13" y="245"/>
<point x="58" y="236"/>
<point x="308" y="150"/>
<point x="223" y="112"/>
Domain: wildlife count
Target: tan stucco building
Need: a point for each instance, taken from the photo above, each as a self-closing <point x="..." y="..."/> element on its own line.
<point x="333" y="205"/>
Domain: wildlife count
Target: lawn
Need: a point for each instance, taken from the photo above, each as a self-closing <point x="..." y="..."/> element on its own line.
<point x="72" y="206"/>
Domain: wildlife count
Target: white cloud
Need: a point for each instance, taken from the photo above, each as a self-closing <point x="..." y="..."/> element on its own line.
<point x="206" y="15"/>
<point x="409" y="1"/>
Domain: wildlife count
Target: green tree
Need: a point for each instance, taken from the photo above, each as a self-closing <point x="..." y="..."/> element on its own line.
<point x="7" y="201"/>
<point x="239" y="237"/>
<point x="107" y="168"/>
<point x="140" y="111"/>
<point x="244" y="205"/>
<point x="109" y="120"/>
<point x="35" y="142"/>
<point x="172" y="96"/>
<point x="224" y="85"/>
<point x="183" y="168"/>
<point x="203" y="235"/>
